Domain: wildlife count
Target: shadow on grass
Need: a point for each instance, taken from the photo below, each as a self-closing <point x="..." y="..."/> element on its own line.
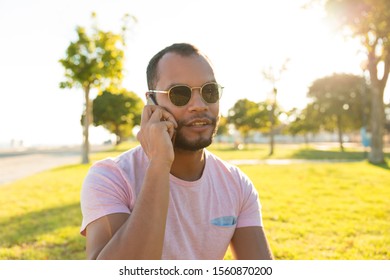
<point x="28" y="228"/>
<point x="68" y="167"/>
<point x="321" y="154"/>
<point x="123" y="147"/>
<point x="384" y="165"/>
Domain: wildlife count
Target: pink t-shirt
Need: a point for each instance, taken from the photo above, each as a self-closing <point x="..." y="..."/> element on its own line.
<point x="202" y="215"/>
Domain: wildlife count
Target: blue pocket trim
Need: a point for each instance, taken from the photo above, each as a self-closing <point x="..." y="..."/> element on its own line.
<point x="226" y="221"/>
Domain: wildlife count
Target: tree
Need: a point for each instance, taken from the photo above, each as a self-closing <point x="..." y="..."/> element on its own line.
<point x="339" y="100"/>
<point x="94" y="60"/>
<point x="274" y="77"/>
<point x="387" y="122"/>
<point x="118" y="112"/>
<point x="369" y="20"/>
<point x="247" y="116"/>
<point x="305" y="121"/>
<point x="222" y="126"/>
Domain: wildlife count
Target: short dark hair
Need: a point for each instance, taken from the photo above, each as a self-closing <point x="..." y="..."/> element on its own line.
<point x="183" y="49"/>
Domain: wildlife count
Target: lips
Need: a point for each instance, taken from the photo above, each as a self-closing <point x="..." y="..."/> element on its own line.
<point x="199" y="122"/>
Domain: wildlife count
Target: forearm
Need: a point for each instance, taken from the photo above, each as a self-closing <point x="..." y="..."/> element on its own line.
<point x="142" y="235"/>
<point x="250" y="243"/>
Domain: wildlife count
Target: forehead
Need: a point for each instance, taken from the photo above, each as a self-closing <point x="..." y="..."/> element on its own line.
<point x="193" y="70"/>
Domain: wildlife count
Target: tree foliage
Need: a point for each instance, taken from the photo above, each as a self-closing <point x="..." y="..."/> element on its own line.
<point x="93" y="60"/>
<point x="248" y="116"/>
<point x="222" y="126"/>
<point x="341" y="102"/>
<point x="304" y="121"/>
<point x="369" y="20"/>
<point x="118" y="112"/>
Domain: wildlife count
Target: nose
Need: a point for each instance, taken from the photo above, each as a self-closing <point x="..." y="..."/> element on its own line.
<point x="197" y="103"/>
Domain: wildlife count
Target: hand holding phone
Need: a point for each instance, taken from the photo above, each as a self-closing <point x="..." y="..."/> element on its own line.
<point x="151" y="100"/>
<point x="157" y="133"/>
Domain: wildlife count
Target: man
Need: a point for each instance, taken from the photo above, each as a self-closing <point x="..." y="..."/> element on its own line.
<point x="170" y="198"/>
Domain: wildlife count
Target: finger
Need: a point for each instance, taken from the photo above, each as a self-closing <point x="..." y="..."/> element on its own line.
<point x="161" y="114"/>
<point x="171" y="128"/>
<point x="147" y="113"/>
<point x="157" y="115"/>
<point x="169" y="117"/>
<point x="153" y="113"/>
<point x="173" y="138"/>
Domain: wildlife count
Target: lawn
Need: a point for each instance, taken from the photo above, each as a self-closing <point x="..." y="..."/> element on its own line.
<point x="325" y="211"/>
<point x="310" y="211"/>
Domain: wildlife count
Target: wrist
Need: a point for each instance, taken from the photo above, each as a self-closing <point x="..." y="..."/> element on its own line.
<point x="160" y="165"/>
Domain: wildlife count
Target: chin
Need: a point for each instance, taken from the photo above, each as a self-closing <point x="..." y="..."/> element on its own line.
<point x="185" y="144"/>
<point x="194" y="143"/>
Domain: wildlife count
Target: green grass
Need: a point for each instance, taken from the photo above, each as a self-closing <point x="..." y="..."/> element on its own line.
<point x="325" y="211"/>
<point x="290" y="151"/>
<point x="310" y="211"/>
<point x="40" y="216"/>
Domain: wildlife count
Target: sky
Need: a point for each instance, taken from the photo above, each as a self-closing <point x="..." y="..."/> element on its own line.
<point x="241" y="37"/>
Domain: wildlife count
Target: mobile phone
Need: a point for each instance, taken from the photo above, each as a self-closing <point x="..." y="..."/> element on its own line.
<point x="151" y="99"/>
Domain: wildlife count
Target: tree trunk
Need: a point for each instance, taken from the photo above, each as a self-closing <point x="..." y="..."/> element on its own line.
<point x="87" y="120"/>
<point x="272" y="131"/>
<point x="377" y="121"/>
<point x="271" y="143"/>
<point x="306" y="137"/>
<point x="340" y="133"/>
<point x="117" y="134"/>
<point x="376" y="155"/>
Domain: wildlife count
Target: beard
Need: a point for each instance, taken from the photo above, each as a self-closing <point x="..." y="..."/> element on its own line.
<point x="195" y="144"/>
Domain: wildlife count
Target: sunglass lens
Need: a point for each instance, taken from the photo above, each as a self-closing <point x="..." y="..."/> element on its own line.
<point x="211" y="93"/>
<point x="180" y="95"/>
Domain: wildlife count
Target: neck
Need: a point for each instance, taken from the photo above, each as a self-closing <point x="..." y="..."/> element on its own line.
<point x="188" y="165"/>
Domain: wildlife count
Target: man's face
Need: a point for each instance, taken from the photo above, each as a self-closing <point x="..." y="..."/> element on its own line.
<point x="197" y="120"/>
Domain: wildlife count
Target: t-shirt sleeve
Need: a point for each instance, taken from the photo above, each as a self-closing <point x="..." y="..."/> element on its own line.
<point x="105" y="191"/>
<point x="250" y="214"/>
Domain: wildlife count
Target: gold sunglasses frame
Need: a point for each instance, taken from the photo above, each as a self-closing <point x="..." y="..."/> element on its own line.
<point x="191" y="88"/>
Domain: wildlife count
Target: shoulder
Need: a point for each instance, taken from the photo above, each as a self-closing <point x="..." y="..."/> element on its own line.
<point x="115" y="170"/>
<point x="215" y="162"/>
<point x="120" y="162"/>
<point x="230" y="175"/>
<point x="109" y="178"/>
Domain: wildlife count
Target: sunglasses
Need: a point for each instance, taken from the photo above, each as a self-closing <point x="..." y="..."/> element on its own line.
<point x="180" y="95"/>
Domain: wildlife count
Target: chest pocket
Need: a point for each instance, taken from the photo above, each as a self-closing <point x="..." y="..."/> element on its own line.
<point x="225" y="221"/>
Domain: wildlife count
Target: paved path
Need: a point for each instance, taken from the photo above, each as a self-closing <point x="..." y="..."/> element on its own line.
<point x="18" y="164"/>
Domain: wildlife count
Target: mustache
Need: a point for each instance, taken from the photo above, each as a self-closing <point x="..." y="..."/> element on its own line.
<point x="181" y="123"/>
